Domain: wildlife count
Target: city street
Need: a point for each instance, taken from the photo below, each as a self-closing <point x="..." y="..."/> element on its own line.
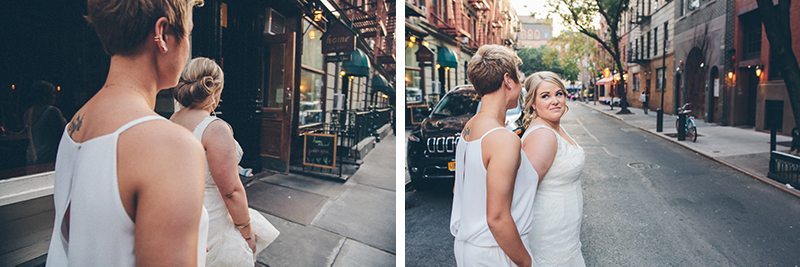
<point x="647" y="202"/>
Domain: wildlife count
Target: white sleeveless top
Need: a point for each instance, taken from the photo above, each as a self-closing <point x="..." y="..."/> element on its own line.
<point x="558" y="207"/>
<point x="468" y="218"/>
<point x="100" y="231"/>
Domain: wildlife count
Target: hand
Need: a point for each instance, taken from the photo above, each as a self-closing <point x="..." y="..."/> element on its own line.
<point x="248" y="236"/>
<point x="251" y="243"/>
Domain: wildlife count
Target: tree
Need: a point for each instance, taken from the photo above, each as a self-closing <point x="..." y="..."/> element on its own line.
<point x="572" y="47"/>
<point x="580" y="15"/>
<point x="776" y="19"/>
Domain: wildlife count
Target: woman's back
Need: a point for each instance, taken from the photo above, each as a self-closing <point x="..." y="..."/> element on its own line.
<point x="93" y="227"/>
<point x="468" y="218"/>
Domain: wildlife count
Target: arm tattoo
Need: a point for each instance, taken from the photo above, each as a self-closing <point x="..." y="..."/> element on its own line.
<point x="466" y="131"/>
<point x="75" y="124"/>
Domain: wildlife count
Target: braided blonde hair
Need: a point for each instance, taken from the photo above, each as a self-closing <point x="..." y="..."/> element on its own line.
<point x="532" y="84"/>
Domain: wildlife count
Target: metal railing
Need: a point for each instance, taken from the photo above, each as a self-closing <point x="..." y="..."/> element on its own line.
<point x="784" y="168"/>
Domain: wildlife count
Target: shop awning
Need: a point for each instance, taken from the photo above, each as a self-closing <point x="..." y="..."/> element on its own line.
<point x="380" y="84"/>
<point x="604" y="81"/>
<point x="446" y="58"/>
<point x="358" y="65"/>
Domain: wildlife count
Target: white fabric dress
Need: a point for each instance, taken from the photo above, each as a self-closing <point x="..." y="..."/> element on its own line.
<point x="558" y="208"/>
<point x="226" y="246"/>
<point x="100" y="231"/>
<point x="474" y="243"/>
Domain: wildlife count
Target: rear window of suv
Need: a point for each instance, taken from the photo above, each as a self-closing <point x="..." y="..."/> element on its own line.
<point x="457" y="104"/>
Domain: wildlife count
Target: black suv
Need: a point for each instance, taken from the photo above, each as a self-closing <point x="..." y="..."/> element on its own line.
<point x="431" y="147"/>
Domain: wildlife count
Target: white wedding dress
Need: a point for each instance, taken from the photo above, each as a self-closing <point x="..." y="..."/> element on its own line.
<point x="558" y="208"/>
<point x="226" y="246"/>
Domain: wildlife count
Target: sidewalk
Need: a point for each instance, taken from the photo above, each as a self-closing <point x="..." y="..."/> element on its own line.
<point x="325" y="222"/>
<point x="744" y="150"/>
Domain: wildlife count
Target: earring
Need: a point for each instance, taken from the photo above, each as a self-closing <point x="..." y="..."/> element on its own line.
<point x="161" y="44"/>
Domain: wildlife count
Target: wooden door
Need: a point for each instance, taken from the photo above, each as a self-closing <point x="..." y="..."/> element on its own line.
<point x="278" y="78"/>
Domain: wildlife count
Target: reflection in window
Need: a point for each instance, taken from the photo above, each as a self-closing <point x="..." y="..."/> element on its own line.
<point x="311" y="77"/>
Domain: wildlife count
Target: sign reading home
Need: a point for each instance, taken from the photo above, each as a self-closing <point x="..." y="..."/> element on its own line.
<point x="319" y="150"/>
<point x="338" y="39"/>
<point x="424" y="54"/>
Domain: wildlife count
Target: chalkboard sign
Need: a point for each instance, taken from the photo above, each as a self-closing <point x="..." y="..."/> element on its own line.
<point x="319" y="150"/>
<point x="417" y="113"/>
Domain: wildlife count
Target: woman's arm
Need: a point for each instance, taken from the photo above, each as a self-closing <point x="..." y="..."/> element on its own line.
<point x="540" y="147"/>
<point x="502" y="161"/>
<point x="223" y="163"/>
<point x="163" y="165"/>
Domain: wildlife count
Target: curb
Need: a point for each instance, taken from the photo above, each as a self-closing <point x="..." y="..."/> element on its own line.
<point x="756" y="176"/>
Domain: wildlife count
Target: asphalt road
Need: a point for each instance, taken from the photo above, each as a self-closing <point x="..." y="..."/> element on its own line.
<point x="647" y="202"/>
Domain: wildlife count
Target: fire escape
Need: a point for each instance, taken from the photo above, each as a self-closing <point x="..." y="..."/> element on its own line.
<point x="375" y="22"/>
<point x="481" y="30"/>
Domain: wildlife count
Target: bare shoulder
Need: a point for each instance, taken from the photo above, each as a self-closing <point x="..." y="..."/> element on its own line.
<point x="501" y="141"/>
<point x="161" y="134"/>
<point x="218" y="129"/>
<point x="159" y="146"/>
<point x="541" y="136"/>
<point x="217" y="135"/>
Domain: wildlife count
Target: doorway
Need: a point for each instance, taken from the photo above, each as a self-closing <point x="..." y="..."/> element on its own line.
<point x="277" y="79"/>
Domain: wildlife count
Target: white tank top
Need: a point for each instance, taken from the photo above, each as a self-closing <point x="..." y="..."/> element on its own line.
<point x="468" y="218"/>
<point x="100" y="231"/>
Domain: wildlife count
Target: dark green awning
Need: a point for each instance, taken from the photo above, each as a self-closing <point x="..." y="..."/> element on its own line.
<point x="446" y="58"/>
<point x="380" y="84"/>
<point x="358" y="65"/>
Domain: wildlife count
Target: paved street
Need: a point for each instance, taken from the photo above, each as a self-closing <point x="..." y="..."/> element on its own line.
<point x="330" y="223"/>
<point x="647" y="202"/>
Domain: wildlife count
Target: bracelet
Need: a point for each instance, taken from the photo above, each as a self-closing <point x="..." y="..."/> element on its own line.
<point x="242" y="226"/>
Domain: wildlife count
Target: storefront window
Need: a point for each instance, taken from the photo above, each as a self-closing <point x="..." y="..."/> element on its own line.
<point x="311" y="76"/>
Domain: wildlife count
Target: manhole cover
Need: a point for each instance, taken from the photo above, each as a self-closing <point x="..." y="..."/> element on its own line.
<point x="643" y="165"/>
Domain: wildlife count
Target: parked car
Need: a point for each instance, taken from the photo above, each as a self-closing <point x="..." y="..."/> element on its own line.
<point x="413" y="95"/>
<point x="431" y="147"/>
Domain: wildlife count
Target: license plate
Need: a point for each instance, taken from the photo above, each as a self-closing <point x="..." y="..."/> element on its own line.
<point x="451" y="166"/>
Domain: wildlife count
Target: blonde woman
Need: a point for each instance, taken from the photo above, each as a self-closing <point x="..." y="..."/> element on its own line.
<point x="235" y="232"/>
<point x="558" y="159"/>
<point x="491" y="214"/>
<point x="128" y="183"/>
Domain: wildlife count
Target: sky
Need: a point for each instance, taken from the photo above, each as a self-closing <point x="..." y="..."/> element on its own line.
<point x="526" y="7"/>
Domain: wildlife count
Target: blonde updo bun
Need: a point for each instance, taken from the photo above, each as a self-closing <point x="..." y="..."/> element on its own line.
<point x="199" y="82"/>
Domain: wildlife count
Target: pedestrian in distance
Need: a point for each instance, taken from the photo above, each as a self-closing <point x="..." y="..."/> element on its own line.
<point x="128" y="186"/>
<point x="558" y="160"/>
<point x="491" y="213"/>
<point x="236" y="233"/>
<point x="44" y="123"/>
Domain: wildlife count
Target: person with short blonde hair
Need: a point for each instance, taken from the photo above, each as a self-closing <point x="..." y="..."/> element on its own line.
<point x="558" y="161"/>
<point x="128" y="186"/>
<point x="490" y="216"/>
<point x="486" y="69"/>
<point x="236" y="234"/>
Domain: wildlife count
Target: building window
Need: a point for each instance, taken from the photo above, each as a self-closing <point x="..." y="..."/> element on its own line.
<point x="694" y="4"/>
<point x="635" y="82"/>
<point x="648" y="45"/>
<point x="311" y="77"/>
<point x="655" y="41"/>
<point x="536" y="35"/>
<point x="751" y="36"/>
<point x="666" y="34"/>
<point x="682" y="8"/>
<point x="660" y="82"/>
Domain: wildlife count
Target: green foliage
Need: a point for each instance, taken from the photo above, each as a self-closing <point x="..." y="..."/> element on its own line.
<point x="561" y="55"/>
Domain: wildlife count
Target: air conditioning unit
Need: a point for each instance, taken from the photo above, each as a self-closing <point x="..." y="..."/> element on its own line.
<point x="338" y="102"/>
<point x="275" y="23"/>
